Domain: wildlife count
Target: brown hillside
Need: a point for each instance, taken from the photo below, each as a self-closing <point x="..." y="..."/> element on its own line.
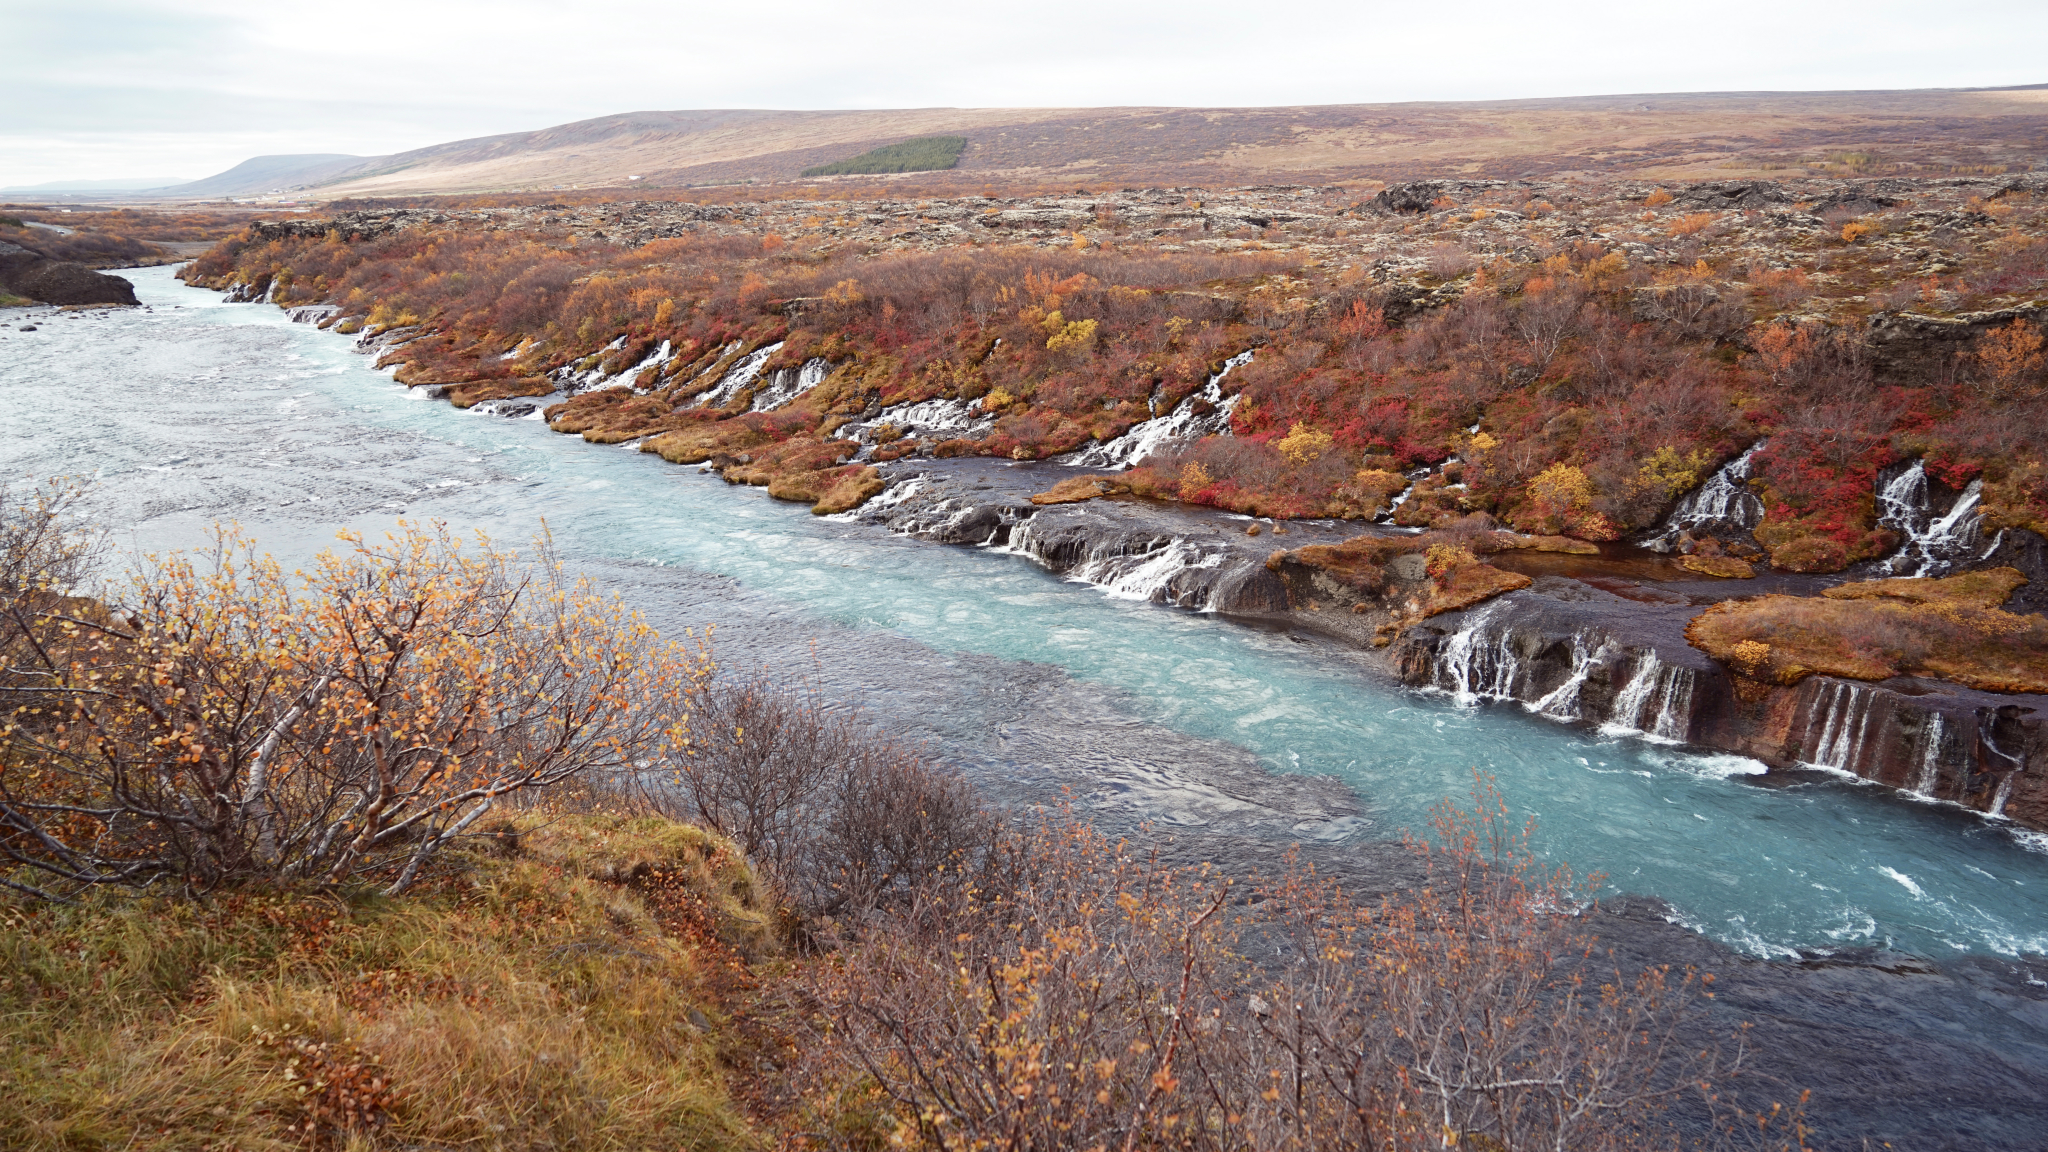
<point x="1662" y="136"/>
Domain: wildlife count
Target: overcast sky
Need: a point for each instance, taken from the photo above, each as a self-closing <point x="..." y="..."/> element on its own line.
<point x="101" y="89"/>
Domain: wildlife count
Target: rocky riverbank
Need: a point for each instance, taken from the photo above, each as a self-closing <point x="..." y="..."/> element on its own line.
<point x="1595" y="639"/>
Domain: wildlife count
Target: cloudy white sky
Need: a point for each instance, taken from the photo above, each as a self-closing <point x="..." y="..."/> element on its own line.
<point x="101" y="89"/>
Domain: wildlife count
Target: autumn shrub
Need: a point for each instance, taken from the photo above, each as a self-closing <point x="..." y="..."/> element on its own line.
<point x="1582" y="367"/>
<point x="215" y="721"/>
<point x="1088" y="995"/>
<point x="837" y="815"/>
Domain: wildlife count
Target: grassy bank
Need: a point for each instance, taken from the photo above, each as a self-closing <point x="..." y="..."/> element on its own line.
<point x="566" y="985"/>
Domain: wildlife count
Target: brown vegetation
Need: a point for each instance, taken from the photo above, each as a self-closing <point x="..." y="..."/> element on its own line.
<point x="1605" y="378"/>
<point x="1949" y="629"/>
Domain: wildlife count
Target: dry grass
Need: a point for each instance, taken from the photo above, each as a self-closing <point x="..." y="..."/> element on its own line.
<point x="1726" y="567"/>
<point x="1948" y="629"/>
<point x="1076" y="489"/>
<point x="565" y="991"/>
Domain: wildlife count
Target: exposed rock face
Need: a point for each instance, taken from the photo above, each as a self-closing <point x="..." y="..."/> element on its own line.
<point x="30" y="274"/>
<point x="1733" y="194"/>
<point x="2028" y="552"/>
<point x="1130" y="548"/>
<point x="1906" y="347"/>
<point x="1421" y="195"/>
<point x="1939" y="740"/>
<point x="1571" y="653"/>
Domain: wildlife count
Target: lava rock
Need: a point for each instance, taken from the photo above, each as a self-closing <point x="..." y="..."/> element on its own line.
<point x="31" y="274"/>
<point x="1733" y="194"/>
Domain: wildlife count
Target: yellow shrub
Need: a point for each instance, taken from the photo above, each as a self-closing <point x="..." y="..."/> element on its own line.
<point x="1658" y="199"/>
<point x="1078" y="336"/>
<point x="1856" y="230"/>
<point x="1673" y="473"/>
<point x="1303" y="444"/>
<point x="997" y="400"/>
<point x="1194" y="478"/>
<point x="1444" y="559"/>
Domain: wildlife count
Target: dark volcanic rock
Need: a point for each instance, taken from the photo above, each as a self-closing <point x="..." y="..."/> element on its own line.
<point x="1906" y="347"/>
<point x="1422" y="195"/>
<point x="1733" y="194"/>
<point x="30" y="274"/>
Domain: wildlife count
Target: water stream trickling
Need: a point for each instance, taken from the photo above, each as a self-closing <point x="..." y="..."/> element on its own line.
<point x="198" y="410"/>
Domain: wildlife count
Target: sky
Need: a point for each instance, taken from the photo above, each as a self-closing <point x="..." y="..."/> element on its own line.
<point x="110" y="89"/>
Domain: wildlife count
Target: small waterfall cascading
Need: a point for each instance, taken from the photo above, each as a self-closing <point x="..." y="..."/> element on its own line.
<point x="1148" y="576"/>
<point x="1929" y="774"/>
<point x="1932" y="545"/>
<point x="1151" y="571"/>
<point x="1845" y="727"/>
<point x="1476" y="663"/>
<point x="737" y="377"/>
<point x="786" y="384"/>
<point x="925" y="420"/>
<point x="1656" y="702"/>
<point x="1722" y="500"/>
<point x="1183" y="423"/>
<point x="1998" y="798"/>
<point x="1563" y="702"/>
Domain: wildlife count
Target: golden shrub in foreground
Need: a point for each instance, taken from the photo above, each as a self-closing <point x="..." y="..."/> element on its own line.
<point x="224" y="720"/>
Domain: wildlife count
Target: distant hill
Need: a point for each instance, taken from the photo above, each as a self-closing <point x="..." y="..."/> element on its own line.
<point x="1726" y="135"/>
<point x="262" y="174"/>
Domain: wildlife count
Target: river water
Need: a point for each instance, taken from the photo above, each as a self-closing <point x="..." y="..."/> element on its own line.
<point x="190" y="411"/>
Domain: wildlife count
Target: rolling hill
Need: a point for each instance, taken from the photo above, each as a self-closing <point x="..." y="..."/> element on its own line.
<point x="1654" y="136"/>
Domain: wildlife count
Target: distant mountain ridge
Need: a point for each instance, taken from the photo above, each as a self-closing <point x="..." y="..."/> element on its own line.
<point x="1655" y="136"/>
<point x="261" y="174"/>
<point x="130" y="184"/>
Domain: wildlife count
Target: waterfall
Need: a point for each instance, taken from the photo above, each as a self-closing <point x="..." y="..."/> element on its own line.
<point x="2004" y="793"/>
<point x="925" y="419"/>
<point x="1183" y="423"/>
<point x="1930" y="756"/>
<point x="1125" y="568"/>
<point x="1845" y="728"/>
<point x="1723" y="500"/>
<point x="882" y="506"/>
<point x="1562" y="702"/>
<point x="737" y="377"/>
<point x="1476" y="665"/>
<point x="1932" y="546"/>
<point x="1150" y="577"/>
<point x="786" y="384"/>
<point x="1655" y="703"/>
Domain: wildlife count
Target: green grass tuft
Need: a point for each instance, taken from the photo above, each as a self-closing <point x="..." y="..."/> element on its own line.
<point x="924" y="154"/>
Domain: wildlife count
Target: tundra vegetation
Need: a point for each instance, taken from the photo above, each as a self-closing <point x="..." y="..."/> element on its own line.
<point x="1557" y="358"/>
<point x="428" y="848"/>
<point x="1949" y="629"/>
<point x="117" y="237"/>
